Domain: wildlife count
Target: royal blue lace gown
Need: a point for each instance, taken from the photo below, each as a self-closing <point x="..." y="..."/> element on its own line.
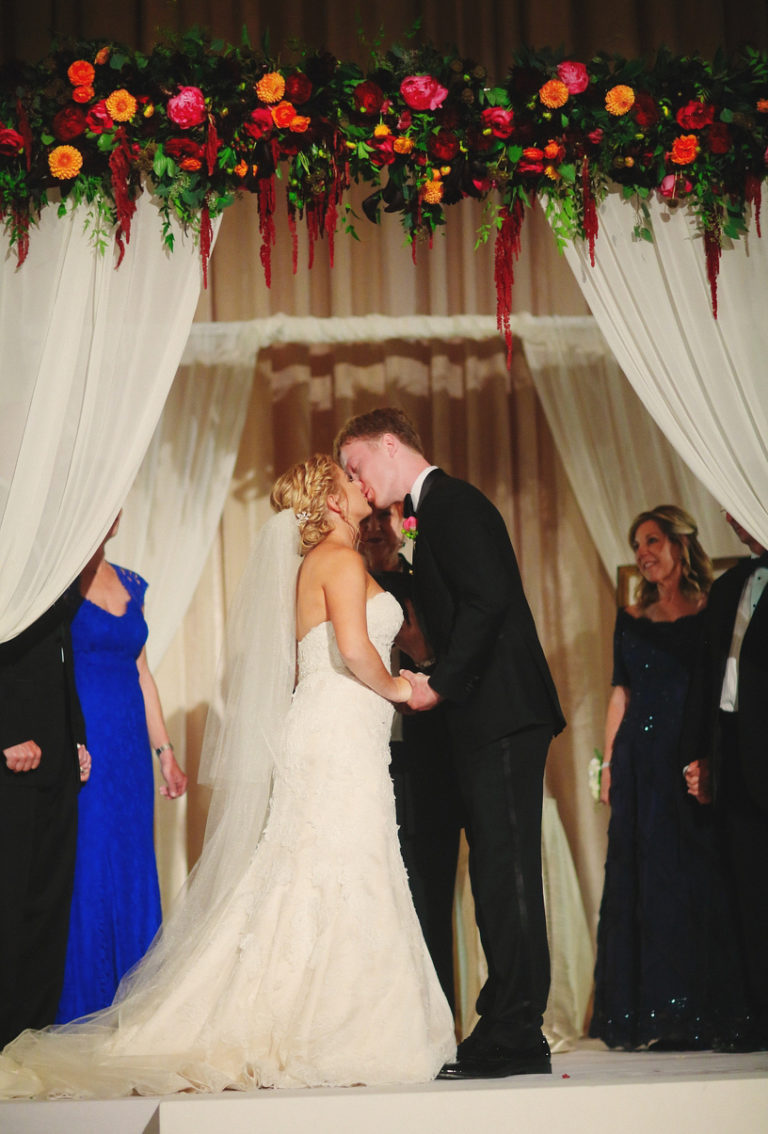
<point x="116" y="899"/>
<point x="667" y="965"/>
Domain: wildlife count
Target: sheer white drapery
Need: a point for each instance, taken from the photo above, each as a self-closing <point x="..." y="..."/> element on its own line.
<point x="701" y="378"/>
<point x="89" y="353"/>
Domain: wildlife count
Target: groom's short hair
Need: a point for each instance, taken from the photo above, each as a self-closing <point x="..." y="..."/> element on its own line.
<point x="369" y="426"/>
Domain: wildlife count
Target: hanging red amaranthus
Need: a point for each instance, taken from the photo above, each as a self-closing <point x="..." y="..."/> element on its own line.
<point x="206" y="239"/>
<point x="21" y="232"/>
<point x="713" y="249"/>
<point x="266" y="192"/>
<point x="752" y="195"/>
<point x="294" y="238"/>
<point x="506" y="251"/>
<point x="590" y="210"/>
<point x="120" y="168"/>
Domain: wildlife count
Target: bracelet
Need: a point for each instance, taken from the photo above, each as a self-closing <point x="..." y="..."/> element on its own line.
<point x="163" y="748"/>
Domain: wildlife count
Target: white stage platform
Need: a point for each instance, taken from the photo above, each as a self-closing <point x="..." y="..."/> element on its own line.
<point x="590" y="1091"/>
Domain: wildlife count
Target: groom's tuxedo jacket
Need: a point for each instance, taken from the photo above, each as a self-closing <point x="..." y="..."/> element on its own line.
<point x="701" y="734"/>
<point x="490" y="667"/>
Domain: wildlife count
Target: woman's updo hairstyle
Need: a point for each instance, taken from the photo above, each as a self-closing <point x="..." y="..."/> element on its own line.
<point x="305" y="487"/>
<point x="696" y="566"/>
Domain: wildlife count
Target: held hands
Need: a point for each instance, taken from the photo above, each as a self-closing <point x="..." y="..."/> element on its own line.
<point x="403" y="691"/>
<point x="24" y="757"/>
<point x="423" y="696"/>
<point x="698" y="780"/>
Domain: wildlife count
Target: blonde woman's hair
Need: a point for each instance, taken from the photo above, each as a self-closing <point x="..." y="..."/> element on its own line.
<point x="305" y="487"/>
<point x="696" y="566"/>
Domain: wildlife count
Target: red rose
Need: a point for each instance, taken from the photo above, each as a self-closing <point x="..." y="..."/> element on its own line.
<point x="69" y="123"/>
<point x="187" y="108"/>
<point x="11" y="142"/>
<point x="574" y="75"/>
<point x="369" y="97"/>
<point x="719" y="138"/>
<point x="98" y="119"/>
<point x="260" y="125"/>
<point x="180" y="149"/>
<point x="595" y="136"/>
<point x="695" y="115"/>
<point x="298" y="88"/>
<point x="422" y="92"/>
<point x="498" y="120"/>
<point x="384" y="150"/>
<point x="532" y="160"/>
<point x="645" y="110"/>
<point x="443" y="146"/>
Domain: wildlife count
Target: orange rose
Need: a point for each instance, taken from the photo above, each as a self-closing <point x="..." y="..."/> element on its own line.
<point x="190" y="164"/>
<point x="762" y="106"/>
<point x="241" y="168"/>
<point x="283" y="114"/>
<point x="684" y="149"/>
<point x="102" y="55"/>
<point x="121" y="106"/>
<point x="271" y="87"/>
<point x="81" y="73"/>
<point x="402" y="145"/>
<point x="554" y="94"/>
<point x="619" y="100"/>
<point x="83" y="94"/>
<point x="65" y="162"/>
<point x="432" y="192"/>
<point x="299" y="124"/>
<point x="551" y="173"/>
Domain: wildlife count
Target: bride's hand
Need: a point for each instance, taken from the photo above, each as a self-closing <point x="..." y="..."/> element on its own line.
<point x="403" y="691"/>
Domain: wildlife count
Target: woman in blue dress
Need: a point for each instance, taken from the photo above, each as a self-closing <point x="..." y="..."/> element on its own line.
<point x="116" y="900"/>
<point x="667" y="972"/>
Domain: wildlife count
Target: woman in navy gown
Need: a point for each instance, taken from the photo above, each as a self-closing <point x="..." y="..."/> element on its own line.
<point x="667" y="973"/>
<point x="116" y="900"/>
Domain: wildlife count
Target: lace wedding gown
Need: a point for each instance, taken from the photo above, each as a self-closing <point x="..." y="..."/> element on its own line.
<point x="312" y="969"/>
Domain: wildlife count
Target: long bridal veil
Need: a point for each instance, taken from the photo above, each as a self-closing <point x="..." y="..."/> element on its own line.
<point x="104" y="1055"/>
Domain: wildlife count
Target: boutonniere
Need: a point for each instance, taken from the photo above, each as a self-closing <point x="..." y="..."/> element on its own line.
<point x="409" y="528"/>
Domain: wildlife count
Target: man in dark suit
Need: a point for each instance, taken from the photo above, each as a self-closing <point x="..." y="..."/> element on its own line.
<point x="493" y="685"/>
<point x="725" y="749"/>
<point x="42" y="736"/>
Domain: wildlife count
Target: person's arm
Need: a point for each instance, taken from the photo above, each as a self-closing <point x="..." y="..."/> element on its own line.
<point x="175" y="779"/>
<point x="617" y="707"/>
<point x="345" y="591"/>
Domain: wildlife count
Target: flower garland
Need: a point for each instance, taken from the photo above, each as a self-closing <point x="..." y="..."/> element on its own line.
<point x="200" y="122"/>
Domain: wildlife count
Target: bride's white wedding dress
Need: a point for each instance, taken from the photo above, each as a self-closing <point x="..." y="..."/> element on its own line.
<point x="312" y="969"/>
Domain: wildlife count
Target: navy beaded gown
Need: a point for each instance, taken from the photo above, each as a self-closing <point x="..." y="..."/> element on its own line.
<point x="667" y="967"/>
<point x="116" y="900"/>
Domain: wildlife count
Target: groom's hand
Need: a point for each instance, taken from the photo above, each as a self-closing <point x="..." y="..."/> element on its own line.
<point x="423" y="696"/>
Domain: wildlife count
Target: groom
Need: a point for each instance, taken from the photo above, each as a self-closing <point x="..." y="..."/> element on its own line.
<point x="491" y="680"/>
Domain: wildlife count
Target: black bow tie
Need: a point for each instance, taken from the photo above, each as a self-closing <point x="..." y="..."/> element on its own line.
<point x="408" y="508"/>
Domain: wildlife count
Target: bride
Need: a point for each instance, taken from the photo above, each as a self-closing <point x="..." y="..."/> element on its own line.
<point x="293" y="956"/>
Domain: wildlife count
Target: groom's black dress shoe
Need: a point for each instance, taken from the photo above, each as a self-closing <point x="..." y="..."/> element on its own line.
<point x="498" y="1062"/>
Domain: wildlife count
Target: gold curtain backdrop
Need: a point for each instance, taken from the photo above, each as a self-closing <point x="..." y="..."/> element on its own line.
<point x="478" y="420"/>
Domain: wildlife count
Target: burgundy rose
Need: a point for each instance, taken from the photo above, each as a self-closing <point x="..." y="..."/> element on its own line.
<point x="98" y="119"/>
<point x="369" y="97"/>
<point x="498" y="120"/>
<point x="404" y="121"/>
<point x="261" y="124"/>
<point x="719" y="138"/>
<point x="574" y="75"/>
<point x="645" y="110"/>
<point x="532" y="160"/>
<point x="695" y="115"/>
<point x="422" y="92"/>
<point x="187" y="108"/>
<point x="11" y="142"/>
<point x="181" y="148"/>
<point x="443" y="146"/>
<point x="595" y="136"/>
<point x="298" y="88"/>
<point x="69" y="123"/>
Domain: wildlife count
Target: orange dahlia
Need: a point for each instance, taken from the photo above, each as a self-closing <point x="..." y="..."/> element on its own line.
<point x="299" y="124"/>
<point x="619" y="100"/>
<point x="271" y="87"/>
<point x="684" y="149"/>
<point x="554" y="94"/>
<point x="432" y="192"/>
<point x="121" y="105"/>
<point x="65" y="162"/>
<point x="402" y="145"/>
<point x="81" y="73"/>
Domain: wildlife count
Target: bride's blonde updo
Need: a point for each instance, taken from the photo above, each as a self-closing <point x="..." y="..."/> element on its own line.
<point x="305" y="487"/>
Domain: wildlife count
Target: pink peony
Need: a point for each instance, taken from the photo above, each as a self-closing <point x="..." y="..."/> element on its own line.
<point x="498" y="121"/>
<point x="574" y="75"/>
<point x="187" y="108"/>
<point x="422" y="92"/>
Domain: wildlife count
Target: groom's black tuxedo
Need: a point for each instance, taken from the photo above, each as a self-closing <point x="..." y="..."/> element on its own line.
<point x="502" y="710"/>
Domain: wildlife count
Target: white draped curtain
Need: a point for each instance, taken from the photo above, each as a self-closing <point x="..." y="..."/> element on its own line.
<point x="702" y="379"/>
<point x="89" y="353"/>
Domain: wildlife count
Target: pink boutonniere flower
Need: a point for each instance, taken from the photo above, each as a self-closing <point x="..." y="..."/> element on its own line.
<point x="409" y="528"/>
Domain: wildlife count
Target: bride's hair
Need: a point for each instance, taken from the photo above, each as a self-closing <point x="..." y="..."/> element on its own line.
<point x="305" y="487"/>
